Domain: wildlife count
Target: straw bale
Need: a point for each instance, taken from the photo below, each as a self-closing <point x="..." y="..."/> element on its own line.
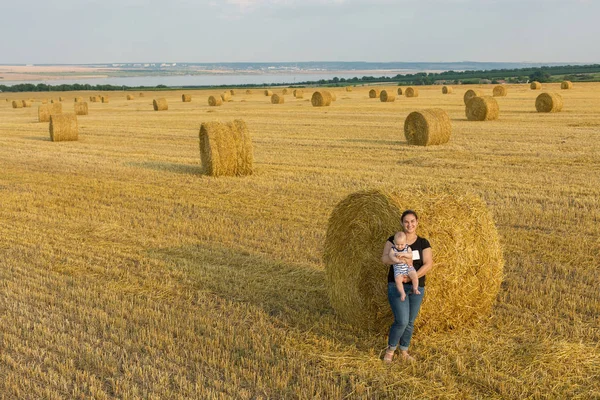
<point x="277" y="99"/>
<point x="427" y="127"/>
<point x="399" y="91"/>
<point x="186" y="98"/>
<point x="26" y="103"/>
<point x="60" y="98"/>
<point x="46" y="110"/>
<point x="333" y="96"/>
<point x="78" y="99"/>
<point x="411" y="92"/>
<point x="226" y="148"/>
<point x="248" y="91"/>
<point x="17" y="104"/>
<point x="44" y="101"/>
<point x="469" y="94"/>
<point x="81" y="108"/>
<point x="299" y="94"/>
<point x="225" y="96"/>
<point x="160" y="104"/>
<point x="105" y="99"/>
<point x="386" y="97"/>
<point x="285" y="91"/>
<point x="130" y="97"/>
<point x="374" y="93"/>
<point x="52" y="101"/>
<point x="63" y="127"/>
<point x="214" y="101"/>
<point x="268" y="93"/>
<point x="566" y="85"/>
<point x="549" y="102"/>
<point x="321" y="99"/>
<point x="141" y="94"/>
<point x="348" y="88"/>
<point x="484" y="108"/>
<point x="447" y="90"/>
<point x="535" y="85"/>
<point x="468" y="263"/>
<point x="499" y="91"/>
<point x="232" y="92"/>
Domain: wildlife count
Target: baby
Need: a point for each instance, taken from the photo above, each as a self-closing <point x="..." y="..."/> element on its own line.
<point x="401" y="268"/>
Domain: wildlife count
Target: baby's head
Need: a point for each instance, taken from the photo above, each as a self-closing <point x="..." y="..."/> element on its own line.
<point x="400" y="240"/>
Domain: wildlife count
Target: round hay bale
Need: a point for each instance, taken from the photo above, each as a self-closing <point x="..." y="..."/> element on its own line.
<point x="141" y="94"/>
<point x="81" y="108"/>
<point x="411" y="92"/>
<point x="333" y="96"/>
<point x="63" y="127"/>
<point x="549" y="102"/>
<point x="484" y="108"/>
<point x="44" y="101"/>
<point x="105" y="99"/>
<point x="399" y="91"/>
<point x="499" y="91"/>
<point x="160" y="104"/>
<point x="232" y="92"/>
<point x="214" y="101"/>
<point x="186" y="98"/>
<point x="321" y="99"/>
<point x="248" y="91"/>
<point x="348" y="88"/>
<point x="447" y="90"/>
<point x="535" y="85"/>
<point x="469" y="94"/>
<point x="468" y="265"/>
<point x="285" y="91"/>
<point x="60" y="98"/>
<point x="225" y="96"/>
<point x="298" y="93"/>
<point x="130" y="97"/>
<point x="566" y="85"/>
<point x="268" y="93"/>
<point x="386" y="97"/>
<point x="26" y="103"/>
<point x="17" y="104"/>
<point x="277" y="99"/>
<point x="427" y="127"/>
<point x="226" y="148"/>
<point x="78" y="99"/>
<point x="44" y="113"/>
<point x="374" y="93"/>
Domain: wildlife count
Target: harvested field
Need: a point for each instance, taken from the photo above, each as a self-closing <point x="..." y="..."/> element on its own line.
<point x="126" y="272"/>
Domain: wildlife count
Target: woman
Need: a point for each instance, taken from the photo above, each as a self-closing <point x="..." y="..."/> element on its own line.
<point x="406" y="311"/>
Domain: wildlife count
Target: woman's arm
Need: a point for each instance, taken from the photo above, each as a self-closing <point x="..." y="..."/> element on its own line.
<point x="427" y="262"/>
<point x="385" y="257"/>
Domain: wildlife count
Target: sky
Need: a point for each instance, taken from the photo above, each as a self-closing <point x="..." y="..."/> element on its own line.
<point x="121" y="31"/>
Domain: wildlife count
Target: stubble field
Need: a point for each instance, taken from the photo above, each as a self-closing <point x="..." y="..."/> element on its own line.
<point x="127" y="273"/>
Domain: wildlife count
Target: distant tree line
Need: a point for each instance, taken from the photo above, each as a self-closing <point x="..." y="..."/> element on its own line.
<point x="541" y="74"/>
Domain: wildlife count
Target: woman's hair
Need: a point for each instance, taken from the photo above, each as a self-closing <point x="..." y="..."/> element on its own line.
<point x="408" y="212"/>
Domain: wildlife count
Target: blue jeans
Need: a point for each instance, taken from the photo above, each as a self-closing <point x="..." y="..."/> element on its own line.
<point x="405" y="313"/>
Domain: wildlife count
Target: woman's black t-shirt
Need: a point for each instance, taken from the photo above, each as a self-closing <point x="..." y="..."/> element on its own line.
<point x="419" y="245"/>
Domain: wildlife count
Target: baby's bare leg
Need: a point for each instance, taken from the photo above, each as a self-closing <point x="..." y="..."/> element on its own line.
<point x="415" y="281"/>
<point x="400" y="286"/>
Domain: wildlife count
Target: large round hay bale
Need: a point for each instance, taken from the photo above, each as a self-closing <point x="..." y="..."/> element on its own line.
<point x="232" y="92"/>
<point x="141" y="94"/>
<point x="81" y="108"/>
<point x="44" y="101"/>
<point x="462" y="285"/>
<point x="348" y="88"/>
<point x="214" y="101"/>
<point x="186" y="98"/>
<point x="78" y="99"/>
<point x="535" y="85"/>
<point x="26" y="103"/>
<point x="447" y="90"/>
<point x="277" y="99"/>
<point x="321" y="98"/>
<point x="499" y="91"/>
<point x="374" y="93"/>
<point x="549" y="102"/>
<point x="268" y="93"/>
<point x="400" y="91"/>
<point x="248" y="91"/>
<point x="60" y="98"/>
<point x="225" y="96"/>
<point x="387" y="96"/>
<point x="566" y="85"/>
<point x="484" y="108"/>
<point x="105" y="99"/>
<point x="427" y="127"/>
<point x="299" y="94"/>
<point x="226" y="148"/>
<point x="411" y="92"/>
<point x="160" y="104"/>
<point x="333" y="96"/>
<point x="63" y="127"/>
<point x="46" y="110"/>
<point x="469" y="94"/>
<point x="130" y="97"/>
<point x="17" y="104"/>
<point x="285" y="91"/>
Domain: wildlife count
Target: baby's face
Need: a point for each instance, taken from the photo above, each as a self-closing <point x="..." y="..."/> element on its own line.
<point x="400" y="242"/>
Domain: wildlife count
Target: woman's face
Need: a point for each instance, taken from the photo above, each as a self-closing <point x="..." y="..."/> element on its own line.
<point x="410" y="223"/>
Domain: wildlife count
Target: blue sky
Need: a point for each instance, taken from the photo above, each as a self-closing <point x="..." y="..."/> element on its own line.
<point x="95" y="31"/>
